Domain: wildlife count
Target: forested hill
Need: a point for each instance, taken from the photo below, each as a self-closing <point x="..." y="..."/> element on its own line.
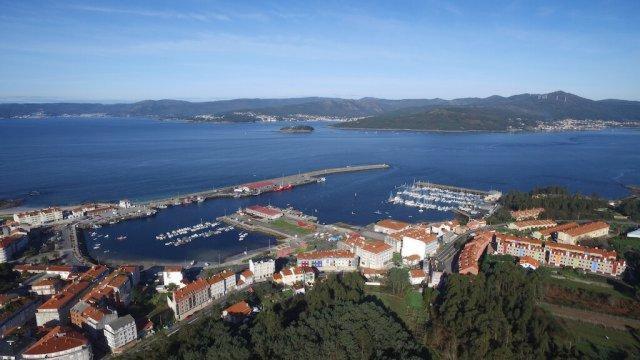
<point x="491" y="113"/>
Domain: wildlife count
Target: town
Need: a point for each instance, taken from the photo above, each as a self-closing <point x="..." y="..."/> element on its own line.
<point x="82" y="310"/>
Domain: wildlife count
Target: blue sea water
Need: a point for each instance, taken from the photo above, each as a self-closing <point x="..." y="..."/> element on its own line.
<point x="72" y="160"/>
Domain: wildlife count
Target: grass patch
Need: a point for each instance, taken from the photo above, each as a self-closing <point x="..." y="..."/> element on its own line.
<point x="622" y="244"/>
<point x="288" y="227"/>
<point x="401" y="305"/>
<point x="603" y="343"/>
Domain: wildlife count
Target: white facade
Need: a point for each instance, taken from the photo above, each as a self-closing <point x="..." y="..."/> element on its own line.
<point x="262" y="269"/>
<point x="172" y="276"/>
<point x="411" y="246"/>
<point x="12" y="244"/>
<point x="39" y="217"/>
<point x="120" y="332"/>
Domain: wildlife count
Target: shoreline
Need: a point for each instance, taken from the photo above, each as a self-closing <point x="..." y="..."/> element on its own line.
<point x="481" y="131"/>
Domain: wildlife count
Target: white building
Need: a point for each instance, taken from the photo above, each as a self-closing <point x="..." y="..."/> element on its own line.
<point x="374" y="254"/>
<point x="262" y="269"/>
<point x="120" y="332"/>
<point x="11" y="245"/>
<point x="173" y="275"/>
<point x="388" y="226"/>
<point x="124" y="204"/>
<point x="294" y="275"/>
<point x="329" y="260"/>
<point x="417" y="276"/>
<point x="39" y="217"/>
<point x="418" y="241"/>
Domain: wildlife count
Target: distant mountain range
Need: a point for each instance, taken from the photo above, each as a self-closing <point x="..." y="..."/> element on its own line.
<point x="491" y="113"/>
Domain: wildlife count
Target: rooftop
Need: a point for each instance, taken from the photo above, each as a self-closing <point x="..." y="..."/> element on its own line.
<point x="346" y="254"/>
<point x="586" y="228"/>
<point x="57" y="340"/>
<point x="65" y="296"/>
<point x="121" y="322"/>
<point x="561" y="227"/>
<point x="267" y="210"/>
<point x="241" y="308"/>
<point x="392" y="224"/>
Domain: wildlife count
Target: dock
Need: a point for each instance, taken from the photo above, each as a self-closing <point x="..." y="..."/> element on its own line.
<point x="293" y="180"/>
<point x="453" y="188"/>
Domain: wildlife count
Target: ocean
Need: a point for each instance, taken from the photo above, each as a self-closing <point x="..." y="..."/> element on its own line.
<point x="72" y="160"/>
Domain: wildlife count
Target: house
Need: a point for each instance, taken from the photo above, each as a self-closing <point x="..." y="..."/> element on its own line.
<point x="196" y="295"/>
<point x="262" y="269"/>
<point x="531" y="224"/>
<point x="133" y="271"/>
<point x="114" y="290"/>
<point x="255" y="187"/>
<point x="58" y="344"/>
<point x="47" y="286"/>
<point x="418" y="240"/>
<point x="295" y="274"/>
<point x="329" y="260"/>
<point x="55" y="311"/>
<point x="471" y="253"/>
<point x="474" y="224"/>
<point x="12" y="244"/>
<point x="237" y="312"/>
<point x="389" y="226"/>
<point x="527" y="214"/>
<point x="374" y="254"/>
<point x="411" y="260"/>
<point x="528" y="262"/>
<point x="245" y="279"/>
<point x="63" y="271"/>
<point x="373" y="274"/>
<point x="440" y="228"/>
<point x="120" y="332"/>
<point x="173" y="275"/>
<point x="417" y="276"/>
<point x="585" y="231"/>
<point x="264" y="212"/>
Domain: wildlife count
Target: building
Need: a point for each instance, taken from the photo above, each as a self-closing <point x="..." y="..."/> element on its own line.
<point x="294" y="275"/>
<point x="373" y="274"/>
<point x="329" y="260"/>
<point x="419" y="241"/>
<point x="237" y="312"/>
<point x="55" y="311"/>
<point x="552" y="232"/>
<point x="124" y="204"/>
<point x="63" y="271"/>
<point x="528" y="262"/>
<point x="114" y="290"/>
<point x="527" y="214"/>
<point x="532" y="224"/>
<point x="60" y="344"/>
<point x="388" y="226"/>
<point x="264" y="212"/>
<point x="15" y="311"/>
<point x="196" y="295"/>
<point x="120" y="332"/>
<point x="47" y="286"/>
<point x="471" y="253"/>
<point x="39" y="217"/>
<point x="255" y="187"/>
<point x="92" y="318"/>
<point x="133" y="271"/>
<point x="443" y="227"/>
<point x="245" y="279"/>
<point x="374" y="254"/>
<point x="417" y="276"/>
<point x="584" y="231"/>
<point x="561" y="255"/>
<point x="12" y="244"/>
<point x="173" y="275"/>
<point x="189" y="299"/>
<point x="95" y="273"/>
<point x="474" y="224"/>
<point x="262" y="269"/>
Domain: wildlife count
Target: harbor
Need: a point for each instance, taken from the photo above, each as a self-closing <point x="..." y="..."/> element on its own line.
<point x="429" y="196"/>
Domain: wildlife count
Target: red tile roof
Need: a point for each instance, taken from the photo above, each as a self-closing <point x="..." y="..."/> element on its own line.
<point x="372" y="246"/>
<point x="259" y="185"/>
<point x="5" y="241"/>
<point x="266" y="210"/>
<point x="65" y="296"/>
<point x="535" y="223"/>
<point x="239" y="309"/>
<point x="471" y="253"/>
<point x="528" y="213"/>
<point x="529" y="260"/>
<point x="57" y="340"/>
<point x="392" y="224"/>
<point x="561" y="227"/>
<point x="173" y="268"/>
<point x="417" y="273"/>
<point x="586" y="228"/>
<point x="191" y="288"/>
<point x="583" y="250"/>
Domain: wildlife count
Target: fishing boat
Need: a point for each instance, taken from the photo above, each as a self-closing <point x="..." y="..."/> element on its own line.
<point x="121" y="238"/>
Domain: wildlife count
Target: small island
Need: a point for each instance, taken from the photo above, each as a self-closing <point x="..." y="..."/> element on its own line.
<point x="297" y="129"/>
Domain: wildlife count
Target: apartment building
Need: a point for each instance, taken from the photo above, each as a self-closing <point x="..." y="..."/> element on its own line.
<point x="374" y="254"/>
<point x="329" y="260"/>
<point x="520" y="215"/>
<point x="295" y="274"/>
<point x="471" y="253"/>
<point x="55" y="311"/>
<point x="585" y="231"/>
<point x="47" y="286"/>
<point x="198" y="294"/>
<point x="389" y="226"/>
<point x="120" y="332"/>
<point x="532" y="224"/>
<point x="60" y="343"/>
<point x="262" y="269"/>
<point x="418" y="240"/>
<point x="39" y="217"/>
<point x="552" y="232"/>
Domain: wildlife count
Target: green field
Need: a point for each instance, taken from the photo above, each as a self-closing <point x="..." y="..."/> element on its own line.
<point x="401" y="305"/>
<point x="289" y="227"/>
<point x="622" y="244"/>
<point x="603" y="343"/>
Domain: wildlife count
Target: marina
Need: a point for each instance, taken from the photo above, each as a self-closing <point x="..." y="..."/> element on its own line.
<point x="429" y="196"/>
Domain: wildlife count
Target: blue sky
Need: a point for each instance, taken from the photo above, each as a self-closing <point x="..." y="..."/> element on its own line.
<point x="205" y="50"/>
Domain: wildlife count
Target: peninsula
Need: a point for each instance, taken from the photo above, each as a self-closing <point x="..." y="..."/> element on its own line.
<point x="297" y="129"/>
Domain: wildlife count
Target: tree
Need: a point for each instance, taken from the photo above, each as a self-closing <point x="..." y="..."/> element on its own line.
<point x="8" y="277"/>
<point x="398" y="280"/>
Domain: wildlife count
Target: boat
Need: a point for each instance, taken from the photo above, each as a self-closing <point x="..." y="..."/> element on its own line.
<point x="322" y="179"/>
<point x="193" y="262"/>
<point x="378" y="212"/>
<point x="121" y="238"/>
<point x="284" y="187"/>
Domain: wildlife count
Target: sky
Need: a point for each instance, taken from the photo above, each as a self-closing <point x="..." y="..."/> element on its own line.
<point x="209" y="50"/>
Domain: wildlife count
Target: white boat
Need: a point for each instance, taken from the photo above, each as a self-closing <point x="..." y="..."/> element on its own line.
<point x="121" y="237"/>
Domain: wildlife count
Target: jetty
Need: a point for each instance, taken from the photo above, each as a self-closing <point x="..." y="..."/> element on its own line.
<point x="261" y="186"/>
